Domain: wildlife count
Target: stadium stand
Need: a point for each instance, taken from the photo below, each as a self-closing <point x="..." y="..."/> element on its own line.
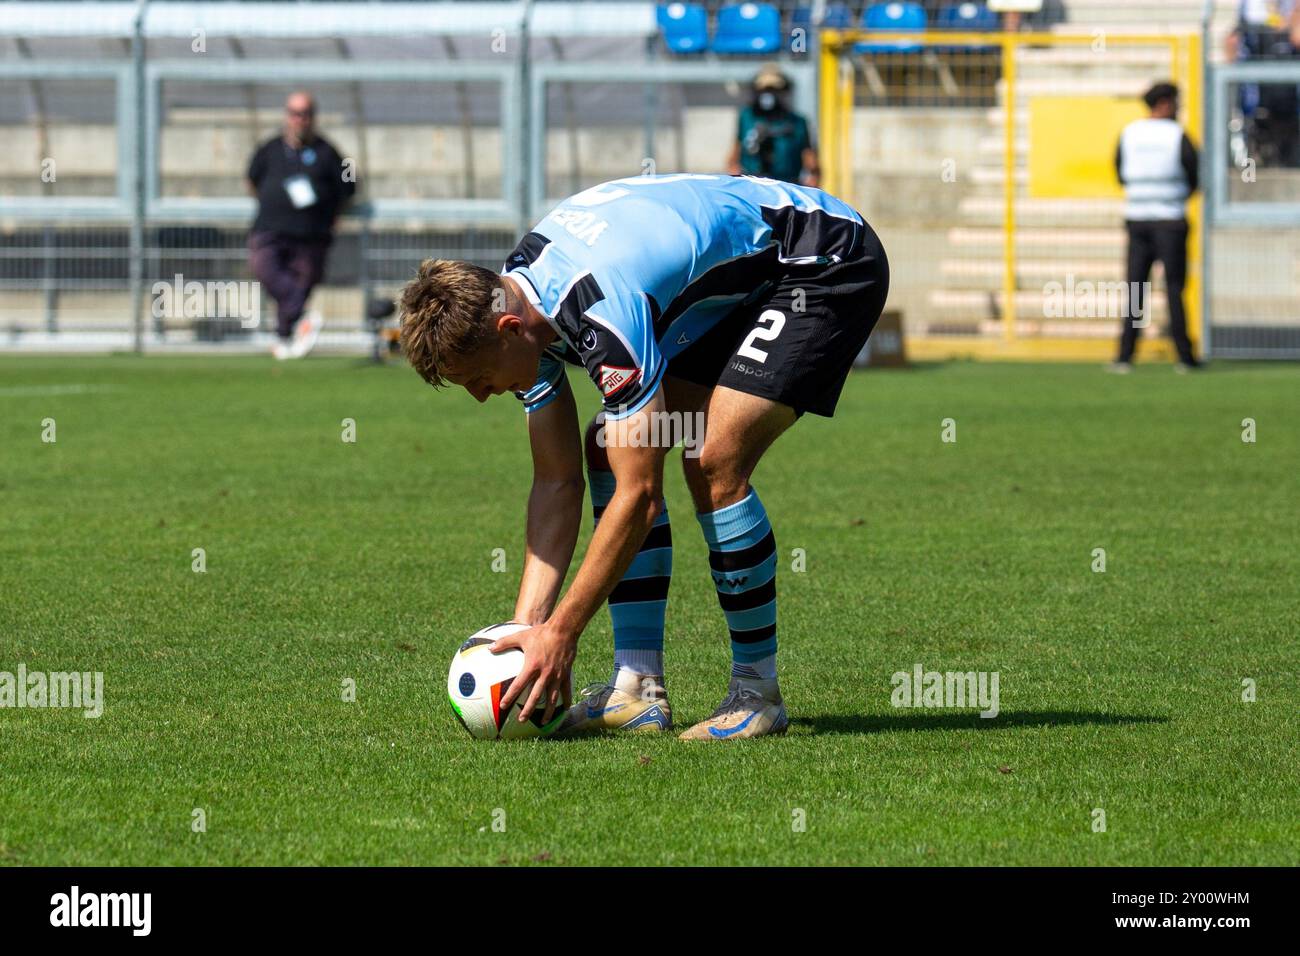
<point x="966" y="16"/>
<point x="894" y="17"/>
<point x="748" y="28"/>
<point x="685" y="27"/>
<point x="446" y="154"/>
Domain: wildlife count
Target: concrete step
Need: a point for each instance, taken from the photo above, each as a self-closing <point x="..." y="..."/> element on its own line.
<point x="1042" y="240"/>
<point x="1092" y="270"/>
<point x="1031" y="308"/>
<point x="1027" y="87"/>
<point x="992" y="146"/>
<point x="1112" y="58"/>
<point x="987" y="210"/>
<point x="994" y="176"/>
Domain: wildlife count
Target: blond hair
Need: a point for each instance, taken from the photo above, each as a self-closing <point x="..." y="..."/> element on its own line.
<point x="446" y="311"/>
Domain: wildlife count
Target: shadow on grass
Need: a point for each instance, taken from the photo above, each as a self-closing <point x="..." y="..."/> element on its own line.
<point x="965" y="720"/>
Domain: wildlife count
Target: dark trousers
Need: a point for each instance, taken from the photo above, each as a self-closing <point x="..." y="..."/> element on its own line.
<point x="1148" y="242"/>
<point x="287" y="268"/>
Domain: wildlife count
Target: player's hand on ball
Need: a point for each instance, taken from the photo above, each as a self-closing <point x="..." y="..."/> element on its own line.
<point x="548" y="661"/>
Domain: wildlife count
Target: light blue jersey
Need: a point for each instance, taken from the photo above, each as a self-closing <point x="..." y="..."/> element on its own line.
<point x="632" y="272"/>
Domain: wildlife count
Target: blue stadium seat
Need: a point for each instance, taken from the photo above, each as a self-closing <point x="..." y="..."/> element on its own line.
<point x="896" y="17"/>
<point x="968" y="17"/>
<point x="838" y="16"/>
<point x="747" y="28"/>
<point x="973" y="17"/>
<point x="685" y="27"/>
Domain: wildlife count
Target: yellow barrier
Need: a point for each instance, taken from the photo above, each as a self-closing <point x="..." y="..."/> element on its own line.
<point x="837" y="101"/>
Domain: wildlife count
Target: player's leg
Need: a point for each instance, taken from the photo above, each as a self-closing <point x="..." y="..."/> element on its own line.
<point x="789" y="355"/>
<point x="738" y="429"/>
<point x="634" y="698"/>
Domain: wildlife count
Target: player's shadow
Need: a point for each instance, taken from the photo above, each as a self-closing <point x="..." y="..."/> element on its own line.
<point x="962" y="720"/>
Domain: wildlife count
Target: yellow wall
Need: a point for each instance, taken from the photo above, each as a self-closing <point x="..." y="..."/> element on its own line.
<point x="1072" y="145"/>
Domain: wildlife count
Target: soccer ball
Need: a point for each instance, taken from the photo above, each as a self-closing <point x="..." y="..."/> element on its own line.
<point x="479" y="680"/>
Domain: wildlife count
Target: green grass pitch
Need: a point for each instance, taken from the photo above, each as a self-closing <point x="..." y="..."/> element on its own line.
<point x="1120" y="691"/>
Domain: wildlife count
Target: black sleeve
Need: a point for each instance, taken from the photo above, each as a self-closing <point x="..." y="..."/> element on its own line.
<point x="1190" y="165"/>
<point x="1119" y="162"/>
<point x="257" y="166"/>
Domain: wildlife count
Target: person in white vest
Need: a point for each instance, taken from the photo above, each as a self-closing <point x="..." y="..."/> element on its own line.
<point x="1157" y="165"/>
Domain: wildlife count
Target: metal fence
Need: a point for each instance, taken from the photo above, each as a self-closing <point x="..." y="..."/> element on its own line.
<point x="130" y="126"/>
<point x="996" y="182"/>
<point x="986" y="162"/>
<point x="1252" y="289"/>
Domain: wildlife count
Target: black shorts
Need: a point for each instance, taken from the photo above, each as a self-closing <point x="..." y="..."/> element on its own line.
<point x="796" y="343"/>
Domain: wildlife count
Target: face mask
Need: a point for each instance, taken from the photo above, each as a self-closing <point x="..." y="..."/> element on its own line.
<point x="766" y="101"/>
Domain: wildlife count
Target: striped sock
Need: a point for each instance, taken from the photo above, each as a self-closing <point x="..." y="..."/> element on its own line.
<point x="638" y="602"/>
<point x="742" y="554"/>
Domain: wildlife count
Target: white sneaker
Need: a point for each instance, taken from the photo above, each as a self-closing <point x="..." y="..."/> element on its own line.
<point x="752" y="708"/>
<point x="281" y="350"/>
<point x="635" y="703"/>
<point x="305" y="334"/>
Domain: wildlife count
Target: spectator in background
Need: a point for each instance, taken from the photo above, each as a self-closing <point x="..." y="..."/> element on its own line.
<point x="1269" y="29"/>
<point x="772" y="141"/>
<point x="1157" y="165"/>
<point x="1281" y="17"/>
<point x="301" y="184"/>
<point x="1047" y="14"/>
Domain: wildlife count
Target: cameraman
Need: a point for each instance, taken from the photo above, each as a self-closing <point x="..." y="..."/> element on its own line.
<point x="772" y="141"/>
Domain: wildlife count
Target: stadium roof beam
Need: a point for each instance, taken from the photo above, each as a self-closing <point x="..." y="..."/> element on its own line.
<point x="65" y="19"/>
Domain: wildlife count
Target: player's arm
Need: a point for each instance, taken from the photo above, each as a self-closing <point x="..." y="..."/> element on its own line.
<point x="554" y="505"/>
<point x="623" y="526"/>
<point x="638" y="468"/>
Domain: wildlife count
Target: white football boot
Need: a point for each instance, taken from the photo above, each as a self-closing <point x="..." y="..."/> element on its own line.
<point x="752" y="708"/>
<point x="634" y="703"/>
<point x="305" y="334"/>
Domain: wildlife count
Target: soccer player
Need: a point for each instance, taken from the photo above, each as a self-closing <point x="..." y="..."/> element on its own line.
<point x="745" y="300"/>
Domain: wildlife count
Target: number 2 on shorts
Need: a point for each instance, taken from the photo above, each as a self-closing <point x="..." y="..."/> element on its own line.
<point x="747" y="349"/>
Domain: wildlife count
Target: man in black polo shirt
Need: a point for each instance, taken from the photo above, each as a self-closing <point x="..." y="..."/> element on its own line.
<point x="300" y="183"/>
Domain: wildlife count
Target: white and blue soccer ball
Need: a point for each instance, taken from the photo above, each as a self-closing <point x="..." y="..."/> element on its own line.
<point x="479" y="680"/>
